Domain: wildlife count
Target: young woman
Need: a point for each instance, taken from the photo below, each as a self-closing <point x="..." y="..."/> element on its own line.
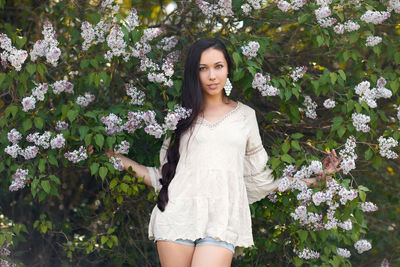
<point x="212" y="167"/>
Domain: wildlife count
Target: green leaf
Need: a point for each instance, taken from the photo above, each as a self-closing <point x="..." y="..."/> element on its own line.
<point x="104" y="239"/>
<point x="342" y="74"/>
<point x="287" y="158"/>
<point x="341" y="131"/>
<point x="84" y="64"/>
<point x="99" y="139"/>
<point x="333" y="77"/>
<point x="94" y="168"/>
<point x="237" y="58"/>
<point x="2" y="77"/>
<point x="39" y="123"/>
<point x="110" y="140"/>
<point x="88" y="139"/>
<point x="124" y="187"/>
<point x="363" y="188"/>
<point x="83" y="130"/>
<point x="113" y="183"/>
<point x="72" y="114"/>
<point x="46" y="186"/>
<point x="295" y="144"/>
<point x="27" y="124"/>
<point x="297" y="135"/>
<point x="31" y="68"/>
<point x="11" y="109"/>
<point x="54" y="179"/>
<point x="362" y="195"/>
<point x="42" y="165"/>
<point x="275" y="162"/>
<point x="368" y="154"/>
<point x="320" y="40"/>
<point x="103" y="172"/>
<point x="303" y="235"/>
<point x="285" y="147"/>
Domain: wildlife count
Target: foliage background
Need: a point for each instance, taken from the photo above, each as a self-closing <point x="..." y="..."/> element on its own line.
<point x="64" y="227"/>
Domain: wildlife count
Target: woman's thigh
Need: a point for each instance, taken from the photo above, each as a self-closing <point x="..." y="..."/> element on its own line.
<point x="211" y="256"/>
<point x="172" y="254"/>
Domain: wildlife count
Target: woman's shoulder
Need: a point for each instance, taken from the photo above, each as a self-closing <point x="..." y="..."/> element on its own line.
<point x="246" y="110"/>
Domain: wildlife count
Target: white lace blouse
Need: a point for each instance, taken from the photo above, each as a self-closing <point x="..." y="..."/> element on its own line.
<point x="221" y="171"/>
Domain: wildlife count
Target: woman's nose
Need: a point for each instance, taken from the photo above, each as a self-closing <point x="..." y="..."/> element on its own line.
<point x="212" y="75"/>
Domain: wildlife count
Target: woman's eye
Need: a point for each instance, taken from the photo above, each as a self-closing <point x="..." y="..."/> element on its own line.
<point x="220" y="66"/>
<point x="202" y="68"/>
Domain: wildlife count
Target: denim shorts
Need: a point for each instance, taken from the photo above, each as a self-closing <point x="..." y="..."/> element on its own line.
<point x="202" y="241"/>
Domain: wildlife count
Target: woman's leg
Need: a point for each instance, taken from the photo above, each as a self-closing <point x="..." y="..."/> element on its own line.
<point x="211" y="256"/>
<point x="172" y="254"/>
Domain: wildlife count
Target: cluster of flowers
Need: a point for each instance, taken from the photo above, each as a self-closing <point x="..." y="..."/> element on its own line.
<point x="298" y="73"/>
<point x="329" y="103"/>
<point x="393" y="5"/>
<point x="85" y="100"/>
<point x="93" y="35"/>
<point x="343" y="252"/>
<point x="261" y="83"/>
<point x="168" y="43"/>
<point x="117" y="163"/>
<point x="310" y="107"/>
<point x="114" y="124"/>
<point x="38" y="93"/>
<point x="136" y="95"/>
<point x="307" y="254"/>
<point x="255" y="4"/>
<point x="285" y="6"/>
<point x="116" y="42"/>
<point x="348" y="155"/>
<point x="122" y="148"/>
<point x="19" y="178"/>
<point x="30" y="152"/>
<point x="61" y="125"/>
<point x="250" y="50"/>
<point x="132" y="20"/>
<point x="221" y="8"/>
<point x="47" y="47"/>
<point x="14" y="56"/>
<point x="360" y="122"/>
<point x="373" y="40"/>
<point x="362" y="246"/>
<point x="371" y="95"/>
<point x="323" y="12"/>
<point x="76" y="155"/>
<point x="375" y="17"/>
<point x="384" y="147"/>
<point x="164" y="74"/>
<point x="348" y="26"/>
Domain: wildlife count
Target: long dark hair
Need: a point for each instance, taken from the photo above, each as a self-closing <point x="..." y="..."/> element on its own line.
<point x="191" y="98"/>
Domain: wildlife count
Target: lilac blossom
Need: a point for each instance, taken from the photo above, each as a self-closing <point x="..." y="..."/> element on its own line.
<point x="173" y="117"/>
<point x="57" y="142"/>
<point x="40" y="140"/>
<point x="329" y="103"/>
<point x="250" y="50"/>
<point x="19" y="178"/>
<point x="122" y="148"/>
<point x="113" y="124"/>
<point x="373" y="40"/>
<point x="29" y="152"/>
<point x="132" y="20"/>
<point x="349" y="155"/>
<point x="168" y="43"/>
<point x="384" y="147"/>
<point x="369" y="207"/>
<point x="39" y="91"/>
<point x="14" y="136"/>
<point x="246" y="8"/>
<point x="260" y="83"/>
<point x="47" y="47"/>
<point x="13" y="150"/>
<point x="222" y="8"/>
<point x="310" y="107"/>
<point x="61" y="125"/>
<point x="117" y="163"/>
<point x="116" y="42"/>
<point x="298" y="73"/>
<point x="360" y="122"/>
<point x="393" y="5"/>
<point x="85" y="100"/>
<point x="76" y="155"/>
<point x="87" y="34"/>
<point x="308" y="254"/>
<point x="342" y="252"/>
<point x="62" y="86"/>
<point x="136" y="95"/>
<point x="154" y="129"/>
<point x="362" y="246"/>
<point x="326" y="22"/>
<point x="322" y="12"/>
<point x="28" y="103"/>
<point x="375" y="17"/>
<point x="134" y="121"/>
<point x="348" y="26"/>
<point x="14" y="56"/>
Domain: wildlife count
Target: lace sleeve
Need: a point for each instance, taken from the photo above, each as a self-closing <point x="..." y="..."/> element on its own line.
<point x="155" y="172"/>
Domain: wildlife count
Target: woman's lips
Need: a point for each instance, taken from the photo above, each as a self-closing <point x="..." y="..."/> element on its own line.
<point x="213" y="86"/>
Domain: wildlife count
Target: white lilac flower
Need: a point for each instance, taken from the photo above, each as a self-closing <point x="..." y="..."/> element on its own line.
<point x="57" y="142"/>
<point x="369" y="207"/>
<point x="308" y="254"/>
<point x="61" y="125"/>
<point x="76" y="155"/>
<point x="13" y="150"/>
<point x="322" y="12"/>
<point x="310" y="107"/>
<point x="256" y="4"/>
<point x="250" y="50"/>
<point x="375" y="17"/>
<point x="14" y="56"/>
<point x="284" y="6"/>
<point x="39" y="91"/>
<point x="122" y="148"/>
<point x="30" y="152"/>
<point x="19" y="177"/>
<point x="348" y="26"/>
<point x="117" y="163"/>
<point x="87" y="34"/>
<point x="62" y="86"/>
<point x="346" y="225"/>
<point x="113" y="124"/>
<point x="297" y="4"/>
<point x="360" y="122"/>
<point x="373" y="40"/>
<point x="154" y="129"/>
<point x="362" y="246"/>
<point x="134" y="121"/>
<point x="116" y="42"/>
<point x="384" y="147"/>
<point x="329" y="103"/>
<point x="393" y="5"/>
<point x="47" y="47"/>
<point x="40" y="140"/>
<point x="222" y="8"/>
<point x="272" y="197"/>
<point x="260" y="83"/>
<point x="14" y="136"/>
<point x="168" y="43"/>
<point x="347" y="195"/>
<point x="132" y="20"/>
<point x="342" y="252"/>
<point x="349" y="156"/>
<point x="28" y="103"/>
<point x="149" y="34"/>
<point x="324" y="2"/>
<point x="85" y="100"/>
<point x="298" y="73"/>
<point x="173" y="117"/>
<point x="136" y="95"/>
<point x="326" y="22"/>
<point x="246" y="8"/>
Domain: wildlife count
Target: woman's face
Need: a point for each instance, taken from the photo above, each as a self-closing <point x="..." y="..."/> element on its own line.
<point x="213" y="71"/>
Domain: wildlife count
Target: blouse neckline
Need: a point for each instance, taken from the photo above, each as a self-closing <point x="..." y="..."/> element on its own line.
<point x="216" y="123"/>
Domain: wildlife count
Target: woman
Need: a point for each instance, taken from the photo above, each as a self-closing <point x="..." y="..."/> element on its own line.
<point x="211" y="171"/>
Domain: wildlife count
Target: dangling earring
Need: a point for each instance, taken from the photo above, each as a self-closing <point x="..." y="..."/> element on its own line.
<point x="228" y="87"/>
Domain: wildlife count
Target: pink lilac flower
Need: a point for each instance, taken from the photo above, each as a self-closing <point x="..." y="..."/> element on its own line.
<point x="117" y="163"/>
<point x="393" y="5"/>
<point x="28" y="103"/>
<point x="14" y="136"/>
<point x="168" y="43"/>
<point x="132" y="20"/>
<point x="250" y="50"/>
<point x="13" y="150"/>
<point x="173" y="117"/>
<point x="154" y="129"/>
<point x="19" y="178"/>
<point x="136" y="95"/>
<point x="57" y="142"/>
<point x="260" y="83"/>
<point x="222" y="8"/>
<point x="76" y="155"/>
<point x="284" y="6"/>
<point x="342" y="252"/>
<point x="246" y="8"/>
<point x="298" y="73"/>
<point x="375" y="17"/>
<point x="39" y="91"/>
<point x="322" y="12"/>
<point x="369" y="207"/>
<point x="30" y="152"/>
<point x="47" y="47"/>
<point x="85" y="100"/>
<point x="348" y="26"/>
<point x="62" y="86"/>
<point x="346" y="225"/>
<point x="373" y="40"/>
<point x="122" y="148"/>
<point x="134" y="121"/>
<point x="116" y="42"/>
<point x="347" y="195"/>
<point x="87" y="34"/>
<point x="14" y="56"/>
<point x="113" y="124"/>
<point x="150" y="33"/>
<point x="362" y="246"/>
<point x="326" y="22"/>
<point x="61" y="125"/>
<point x="384" y="147"/>
<point x="40" y="140"/>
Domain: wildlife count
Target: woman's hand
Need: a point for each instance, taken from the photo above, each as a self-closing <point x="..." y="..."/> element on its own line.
<point x="109" y="153"/>
<point x="331" y="162"/>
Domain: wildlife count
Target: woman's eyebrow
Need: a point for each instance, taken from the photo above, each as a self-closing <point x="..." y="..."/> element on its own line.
<point x="218" y="62"/>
